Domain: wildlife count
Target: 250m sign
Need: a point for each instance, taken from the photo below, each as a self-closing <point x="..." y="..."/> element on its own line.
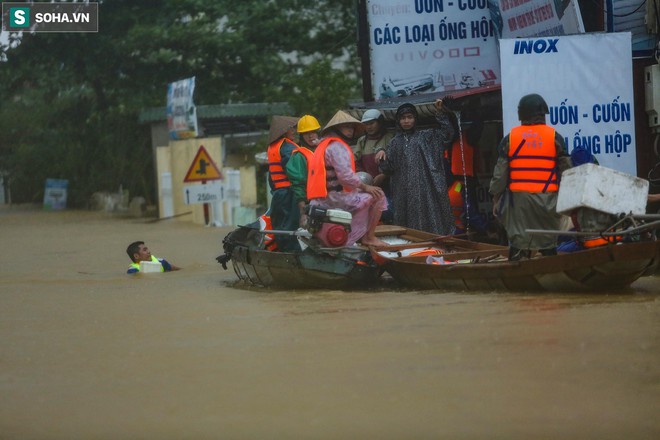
<point x="203" y="193"/>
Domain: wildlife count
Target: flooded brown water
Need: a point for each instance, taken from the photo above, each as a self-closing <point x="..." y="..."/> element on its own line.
<point x="88" y="352"/>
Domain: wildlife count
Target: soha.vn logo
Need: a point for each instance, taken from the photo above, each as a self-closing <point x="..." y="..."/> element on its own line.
<point x="19" y="17"/>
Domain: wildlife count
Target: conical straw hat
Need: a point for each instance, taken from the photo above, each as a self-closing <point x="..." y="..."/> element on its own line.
<point x="341" y="117"/>
<point x="279" y="125"/>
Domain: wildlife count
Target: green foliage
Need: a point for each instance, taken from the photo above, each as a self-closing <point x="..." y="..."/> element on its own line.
<point x="70" y="102"/>
<point x="322" y="90"/>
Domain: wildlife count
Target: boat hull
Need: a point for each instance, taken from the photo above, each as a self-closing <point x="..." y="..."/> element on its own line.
<point x="307" y="269"/>
<point x="606" y="268"/>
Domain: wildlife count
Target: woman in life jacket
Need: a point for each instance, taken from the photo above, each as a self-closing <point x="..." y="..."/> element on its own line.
<point x="333" y="183"/>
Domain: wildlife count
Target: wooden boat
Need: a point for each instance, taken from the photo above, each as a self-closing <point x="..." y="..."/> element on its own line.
<point x="486" y="267"/>
<point x="314" y="267"/>
<point x="423" y="260"/>
<point x="317" y="267"/>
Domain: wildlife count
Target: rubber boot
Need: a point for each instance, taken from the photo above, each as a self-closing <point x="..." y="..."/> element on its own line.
<point x="516" y="254"/>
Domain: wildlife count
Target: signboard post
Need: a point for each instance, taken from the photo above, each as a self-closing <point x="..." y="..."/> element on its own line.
<point x="201" y="170"/>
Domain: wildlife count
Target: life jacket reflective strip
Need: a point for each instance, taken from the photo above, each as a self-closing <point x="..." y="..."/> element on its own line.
<point x="427" y="251"/>
<point x="277" y="173"/>
<point x="532" y="159"/>
<point x="456" y="203"/>
<point x="317" y="183"/>
<point x="461" y="164"/>
<point x="269" y="239"/>
<point x="153" y="260"/>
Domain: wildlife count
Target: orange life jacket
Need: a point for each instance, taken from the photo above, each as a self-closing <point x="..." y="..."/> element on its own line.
<point x="458" y="160"/>
<point x="317" y="181"/>
<point x="275" y="168"/>
<point x="269" y="239"/>
<point x="532" y="159"/>
<point x="456" y="203"/>
<point x="305" y="152"/>
<point x="600" y="241"/>
<point x="427" y="251"/>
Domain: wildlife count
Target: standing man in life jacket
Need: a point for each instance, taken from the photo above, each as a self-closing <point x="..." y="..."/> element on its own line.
<point x="333" y="183"/>
<point x="296" y="168"/>
<point x="526" y="180"/>
<point x="283" y="209"/>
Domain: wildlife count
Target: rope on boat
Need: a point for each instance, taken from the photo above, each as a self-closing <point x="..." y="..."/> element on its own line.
<point x="466" y="200"/>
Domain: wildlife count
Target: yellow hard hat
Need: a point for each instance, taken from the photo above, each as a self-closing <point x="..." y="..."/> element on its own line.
<point x="308" y="123"/>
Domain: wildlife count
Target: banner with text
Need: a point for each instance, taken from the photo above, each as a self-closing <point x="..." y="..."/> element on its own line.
<point x="526" y="18"/>
<point x="181" y="111"/>
<point x="423" y="46"/>
<point x="590" y="105"/>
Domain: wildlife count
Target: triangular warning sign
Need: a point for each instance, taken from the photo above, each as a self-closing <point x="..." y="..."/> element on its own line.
<point x="202" y="168"/>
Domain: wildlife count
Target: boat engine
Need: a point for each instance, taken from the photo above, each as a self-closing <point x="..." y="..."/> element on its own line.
<point x="589" y="219"/>
<point x="329" y="226"/>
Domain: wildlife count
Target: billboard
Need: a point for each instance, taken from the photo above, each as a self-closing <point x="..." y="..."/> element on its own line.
<point x="181" y="111"/>
<point x="427" y="46"/>
<point x="55" y="194"/>
<point x="527" y="18"/>
<point x="423" y="46"/>
<point x="588" y="84"/>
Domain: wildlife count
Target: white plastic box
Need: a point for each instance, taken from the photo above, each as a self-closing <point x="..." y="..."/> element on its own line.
<point x="150" y="267"/>
<point x="603" y="189"/>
